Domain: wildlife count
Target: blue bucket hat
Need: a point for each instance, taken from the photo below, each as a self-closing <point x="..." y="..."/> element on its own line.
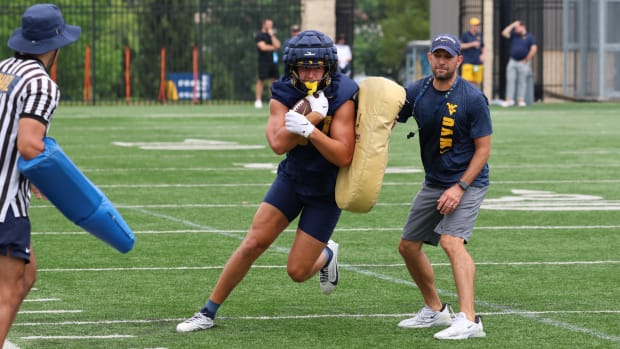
<point x="43" y="29"/>
<point x="447" y="42"/>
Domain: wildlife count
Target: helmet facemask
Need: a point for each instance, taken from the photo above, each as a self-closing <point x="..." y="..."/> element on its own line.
<point x="311" y="86"/>
<point x="311" y="48"/>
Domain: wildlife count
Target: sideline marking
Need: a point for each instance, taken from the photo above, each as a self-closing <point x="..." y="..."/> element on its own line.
<point x="522" y="206"/>
<point x="522" y="200"/>
<point x="112" y="336"/>
<point x="400" y="265"/>
<point x="307" y="316"/>
<point x="189" y="144"/>
<point x="24" y="312"/>
<point x="243" y="231"/>
<point x="542" y="200"/>
<point x="407" y="170"/>
<point x="163" y="115"/>
<point x="391" y="170"/>
<point x="260" y="166"/>
<point x="271" y="167"/>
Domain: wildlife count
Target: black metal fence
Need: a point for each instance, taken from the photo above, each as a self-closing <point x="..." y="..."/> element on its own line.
<point x="543" y="19"/>
<point x="130" y="49"/>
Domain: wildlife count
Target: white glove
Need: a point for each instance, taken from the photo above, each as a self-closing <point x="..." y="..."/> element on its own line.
<point x="318" y="104"/>
<point x="298" y="124"/>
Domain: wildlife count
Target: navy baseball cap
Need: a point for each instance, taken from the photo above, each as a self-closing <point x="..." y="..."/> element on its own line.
<point x="43" y="29"/>
<point x="447" y="42"/>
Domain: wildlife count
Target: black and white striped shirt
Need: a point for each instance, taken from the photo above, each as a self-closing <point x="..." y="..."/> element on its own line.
<point x="26" y="90"/>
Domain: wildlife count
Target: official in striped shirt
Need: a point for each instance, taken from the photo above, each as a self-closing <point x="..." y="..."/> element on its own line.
<point x="28" y="98"/>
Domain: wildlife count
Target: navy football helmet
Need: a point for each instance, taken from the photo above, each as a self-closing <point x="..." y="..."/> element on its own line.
<point x="310" y="48"/>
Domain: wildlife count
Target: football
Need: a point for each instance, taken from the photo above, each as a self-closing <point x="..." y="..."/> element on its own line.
<point x="302" y="107"/>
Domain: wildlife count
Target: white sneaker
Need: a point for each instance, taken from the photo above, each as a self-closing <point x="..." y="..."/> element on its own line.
<point x="462" y="329"/>
<point x="427" y="317"/>
<point x="328" y="276"/>
<point x="8" y="345"/>
<point x="522" y="104"/>
<point x="196" y="323"/>
<point x="258" y="104"/>
<point x="508" y="103"/>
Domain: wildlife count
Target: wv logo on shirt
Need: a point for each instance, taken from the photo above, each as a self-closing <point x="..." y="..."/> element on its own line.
<point x="447" y="129"/>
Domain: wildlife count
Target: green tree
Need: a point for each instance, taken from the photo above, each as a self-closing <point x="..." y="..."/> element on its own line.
<point x="228" y="45"/>
<point x="163" y="24"/>
<point x="383" y="28"/>
<point x="104" y="36"/>
<point x="222" y="30"/>
<point x="110" y="34"/>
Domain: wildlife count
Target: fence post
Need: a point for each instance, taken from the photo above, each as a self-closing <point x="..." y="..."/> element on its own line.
<point x="127" y="75"/>
<point x="195" y="69"/>
<point x="87" y="94"/>
<point x="162" y="77"/>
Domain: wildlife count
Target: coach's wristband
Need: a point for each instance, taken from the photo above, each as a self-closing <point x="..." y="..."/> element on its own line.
<point x="463" y="185"/>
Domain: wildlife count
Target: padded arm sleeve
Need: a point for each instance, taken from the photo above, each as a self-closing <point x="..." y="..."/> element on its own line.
<point x="76" y="197"/>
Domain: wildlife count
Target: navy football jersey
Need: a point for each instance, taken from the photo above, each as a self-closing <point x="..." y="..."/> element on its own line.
<point x="304" y="165"/>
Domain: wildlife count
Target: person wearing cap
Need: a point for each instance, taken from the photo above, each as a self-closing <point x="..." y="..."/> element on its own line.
<point x="522" y="49"/>
<point x="294" y="31"/>
<point x="472" y="47"/>
<point x="454" y="127"/>
<point x="29" y="97"/>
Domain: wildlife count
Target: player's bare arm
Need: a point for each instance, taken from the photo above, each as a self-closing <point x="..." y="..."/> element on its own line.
<point x="338" y="147"/>
<point x="279" y="138"/>
<point x="30" y="135"/>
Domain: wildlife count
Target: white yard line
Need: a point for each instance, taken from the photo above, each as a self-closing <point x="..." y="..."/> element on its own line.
<point x="352" y="266"/>
<point x="59" y="311"/>
<point x="356" y="230"/>
<point x="112" y="336"/>
<point x="385" y="183"/>
<point x="307" y="316"/>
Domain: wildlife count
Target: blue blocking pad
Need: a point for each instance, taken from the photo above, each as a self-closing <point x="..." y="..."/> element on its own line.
<point x="76" y="197"/>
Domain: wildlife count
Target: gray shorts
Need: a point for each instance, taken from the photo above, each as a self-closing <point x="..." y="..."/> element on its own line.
<point x="425" y="223"/>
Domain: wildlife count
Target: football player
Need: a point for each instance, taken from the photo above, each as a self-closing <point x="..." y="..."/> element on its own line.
<point x="316" y="146"/>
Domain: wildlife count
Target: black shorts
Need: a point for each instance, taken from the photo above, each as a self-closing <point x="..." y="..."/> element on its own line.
<point x="319" y="214"/>
<point x="15" y="236"/>
<point x="268" y="71"/>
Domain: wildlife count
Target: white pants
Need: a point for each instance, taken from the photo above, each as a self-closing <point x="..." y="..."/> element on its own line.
<point x="517" y="74"/>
